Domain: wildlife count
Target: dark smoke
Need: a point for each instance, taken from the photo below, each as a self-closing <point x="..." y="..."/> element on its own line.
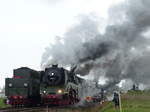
<point x="122" y="52"/>
<point x="93" y="52"/>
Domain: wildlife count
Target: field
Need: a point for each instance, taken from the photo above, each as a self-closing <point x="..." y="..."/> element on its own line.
<point x="133" y="101"/>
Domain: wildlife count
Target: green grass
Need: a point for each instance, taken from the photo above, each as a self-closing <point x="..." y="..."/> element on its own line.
<point x="133" y="101"/>
<point x="2" y="104"/>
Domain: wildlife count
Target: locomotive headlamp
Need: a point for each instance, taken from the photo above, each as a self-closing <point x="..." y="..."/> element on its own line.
<point x="52" y="74"/>
<point x="25" y="84"/>
<point x="59" y="91"/>
<point x="44" y="92"/>
<point x="10" y="84"/>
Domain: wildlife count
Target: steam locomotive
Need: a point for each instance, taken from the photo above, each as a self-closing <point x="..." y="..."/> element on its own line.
<point x="53" y="86"/>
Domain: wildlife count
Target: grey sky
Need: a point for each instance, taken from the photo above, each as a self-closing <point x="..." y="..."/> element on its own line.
<point x="28" y="26"/>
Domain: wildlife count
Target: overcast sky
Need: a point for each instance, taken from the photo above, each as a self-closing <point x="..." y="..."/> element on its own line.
<point x="28" y="26"/>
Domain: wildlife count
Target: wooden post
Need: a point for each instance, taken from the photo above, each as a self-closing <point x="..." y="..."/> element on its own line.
<point x="120" y="103"/>
<point x="47" y="109"/>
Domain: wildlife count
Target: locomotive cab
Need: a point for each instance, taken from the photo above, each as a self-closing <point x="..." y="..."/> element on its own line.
<point x="23" y="88"/>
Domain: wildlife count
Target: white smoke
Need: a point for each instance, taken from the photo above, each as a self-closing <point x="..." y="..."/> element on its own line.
<point x="122" y="52"/>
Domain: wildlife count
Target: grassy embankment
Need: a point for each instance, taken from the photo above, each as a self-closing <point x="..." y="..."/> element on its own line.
<point x="133" y="101"/>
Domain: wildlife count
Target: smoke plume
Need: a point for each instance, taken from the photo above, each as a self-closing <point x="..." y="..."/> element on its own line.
<point x="121" y="52"/>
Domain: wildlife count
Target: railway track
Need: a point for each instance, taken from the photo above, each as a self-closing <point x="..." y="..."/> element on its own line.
<point x="47" y="109"/>
<point x="33" y="109"/>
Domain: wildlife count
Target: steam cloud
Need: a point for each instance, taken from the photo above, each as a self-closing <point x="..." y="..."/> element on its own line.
<point x="122" y="52"/>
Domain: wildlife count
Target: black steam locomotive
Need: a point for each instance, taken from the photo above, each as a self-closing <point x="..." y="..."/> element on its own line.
<point x="54" y="85"/>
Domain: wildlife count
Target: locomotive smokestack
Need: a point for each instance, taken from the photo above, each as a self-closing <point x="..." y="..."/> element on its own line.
<point x="55" y="65"/>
